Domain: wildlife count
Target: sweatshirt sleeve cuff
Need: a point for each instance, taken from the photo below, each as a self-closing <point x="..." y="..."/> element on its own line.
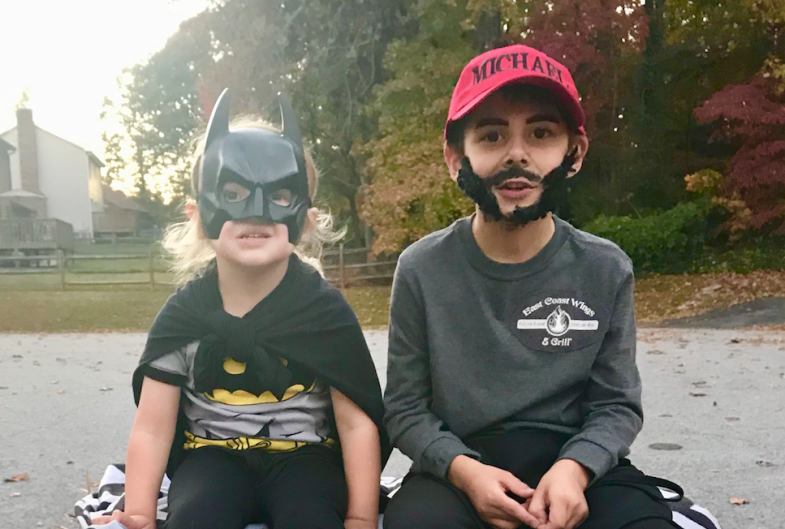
<point x="438" y="455"/>
<point x="592" y="456"/>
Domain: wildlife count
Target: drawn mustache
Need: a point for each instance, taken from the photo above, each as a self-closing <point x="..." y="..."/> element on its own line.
<point x="509" y="173"/>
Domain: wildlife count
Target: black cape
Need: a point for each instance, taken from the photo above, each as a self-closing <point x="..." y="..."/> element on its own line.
<point x="303" y="320"/>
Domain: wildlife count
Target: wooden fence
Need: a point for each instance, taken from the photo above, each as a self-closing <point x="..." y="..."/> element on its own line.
<point x="348" y="268"/>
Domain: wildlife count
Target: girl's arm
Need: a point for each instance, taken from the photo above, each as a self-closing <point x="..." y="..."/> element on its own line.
<point x="361" y="459"/>
<point x="148" y="448"/>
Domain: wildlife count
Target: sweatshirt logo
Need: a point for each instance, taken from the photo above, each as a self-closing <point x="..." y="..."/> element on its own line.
<point x="559" y="322"/>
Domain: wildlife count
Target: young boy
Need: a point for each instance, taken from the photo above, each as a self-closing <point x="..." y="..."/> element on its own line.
<point x="512" y="381"/>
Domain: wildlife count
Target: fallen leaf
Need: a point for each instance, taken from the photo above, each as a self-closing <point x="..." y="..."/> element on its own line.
<point x="765" y="464"/>
<point x="655" y="352"/>
<point x="16" y="478"/>
<point x="732" y="419"/>
<point x="105" y="388"/>
<point x="735" y="340"/>
<point x="697" y="394"/>
<point x="738" y="501"/>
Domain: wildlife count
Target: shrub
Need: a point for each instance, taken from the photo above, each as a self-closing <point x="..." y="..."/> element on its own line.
<point x="666" y="242"/>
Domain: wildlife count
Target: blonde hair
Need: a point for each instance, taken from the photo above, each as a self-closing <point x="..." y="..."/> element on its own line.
<point x="188" y="247"/>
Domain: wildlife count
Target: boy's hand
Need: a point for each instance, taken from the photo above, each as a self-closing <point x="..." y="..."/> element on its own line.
<point x="135" y="521"/>
<point x="559" y="502"/>
<point x="357" y="523"/>
<point x="488" y="488"/>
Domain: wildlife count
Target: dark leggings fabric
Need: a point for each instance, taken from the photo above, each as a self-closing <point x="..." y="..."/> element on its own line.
<point x="650" y="524"/>
<point x="214" y="488"/>
<point x="619" y="500"/>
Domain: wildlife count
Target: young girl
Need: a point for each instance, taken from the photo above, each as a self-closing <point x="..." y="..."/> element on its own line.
<point x="255" y="379"/>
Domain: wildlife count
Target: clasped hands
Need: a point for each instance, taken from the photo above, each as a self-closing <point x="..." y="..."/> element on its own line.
<point x="558" y="502"/>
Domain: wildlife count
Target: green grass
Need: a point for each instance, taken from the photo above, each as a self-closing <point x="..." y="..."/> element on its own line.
<point x="115" y="310"/>
<point x="372" y="305"/>
<point x="48" y="282"/>
<point x="34" y="303"/>
<point x="107" y="248"/>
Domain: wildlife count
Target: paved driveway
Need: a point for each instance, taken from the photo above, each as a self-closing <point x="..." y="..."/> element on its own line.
<point x="66" y="411"/>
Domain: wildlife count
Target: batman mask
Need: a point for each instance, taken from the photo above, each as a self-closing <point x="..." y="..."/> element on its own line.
<point x="253" y="173"/>
<point x="554" y="190"/>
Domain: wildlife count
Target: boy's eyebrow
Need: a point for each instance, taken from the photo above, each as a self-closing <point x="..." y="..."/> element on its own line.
<point x="543" y="117"/>
<point x="484" y="122"/>
<point x="537" y="118"/>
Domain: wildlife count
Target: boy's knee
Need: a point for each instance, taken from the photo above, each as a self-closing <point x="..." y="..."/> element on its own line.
<point x="427" y="509"/>
<point x="203" y="517"/>
<point x="402" y="516"/>
<point x="298" y="517"/>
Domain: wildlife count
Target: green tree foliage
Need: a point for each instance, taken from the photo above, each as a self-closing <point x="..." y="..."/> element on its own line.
<point x="158" y="115"/>
<point x="371" y="81"/>
<point x="411" y="193"/>
<point x="326" y="55"/>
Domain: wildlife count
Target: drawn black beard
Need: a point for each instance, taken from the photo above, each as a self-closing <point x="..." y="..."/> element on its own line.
<point x="554" y="190"/>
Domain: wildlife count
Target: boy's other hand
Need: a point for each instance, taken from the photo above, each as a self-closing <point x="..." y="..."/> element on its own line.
<point x="559" y="501"/>
<point x="488" y="488"/>
<point x="135" y="521"/>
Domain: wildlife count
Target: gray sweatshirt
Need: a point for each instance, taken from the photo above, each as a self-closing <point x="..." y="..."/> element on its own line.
<point x="476" y="345"/>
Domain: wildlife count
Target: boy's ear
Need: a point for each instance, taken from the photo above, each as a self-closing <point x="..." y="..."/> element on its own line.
<point x="580" y="142"/>
<point x="453" y="159"/>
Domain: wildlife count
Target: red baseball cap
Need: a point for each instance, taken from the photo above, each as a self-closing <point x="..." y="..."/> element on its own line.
<point x="514" y="64"/>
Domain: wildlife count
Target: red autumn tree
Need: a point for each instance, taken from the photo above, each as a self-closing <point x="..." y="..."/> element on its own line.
<point x="598" y="41"/>
<point x="753" y="115"/>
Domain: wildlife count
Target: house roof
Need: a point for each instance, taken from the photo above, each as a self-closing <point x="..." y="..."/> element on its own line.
<point x="90" y="154"/>
<point x="121" y="200"/>
<point x="6" y="146"/>
<point x="95" y="159"/>
<point x="20" y="193"/>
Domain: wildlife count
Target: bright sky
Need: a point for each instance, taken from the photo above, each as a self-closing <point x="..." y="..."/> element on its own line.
<point x="69" y="54"/>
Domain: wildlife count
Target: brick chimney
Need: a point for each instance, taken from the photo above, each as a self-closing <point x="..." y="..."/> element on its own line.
<point x="28" y="150"/>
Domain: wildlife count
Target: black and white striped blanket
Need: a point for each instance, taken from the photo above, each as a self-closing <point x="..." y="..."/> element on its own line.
<point x="109" y="497"/>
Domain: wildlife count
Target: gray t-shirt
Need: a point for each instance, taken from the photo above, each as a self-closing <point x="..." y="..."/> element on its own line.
<point x="238" y="419"/>
<point x="476" y="345"/>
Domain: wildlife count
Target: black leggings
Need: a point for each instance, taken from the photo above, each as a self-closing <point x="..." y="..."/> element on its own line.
<point x="618" y="500"/>
<point x="296" y="490"/>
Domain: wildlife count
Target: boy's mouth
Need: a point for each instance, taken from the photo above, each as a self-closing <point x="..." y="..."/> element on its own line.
<point x="516" y="184"/>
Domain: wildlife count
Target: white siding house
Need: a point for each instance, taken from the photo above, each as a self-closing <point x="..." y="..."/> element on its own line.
<point x="65" y="176"/>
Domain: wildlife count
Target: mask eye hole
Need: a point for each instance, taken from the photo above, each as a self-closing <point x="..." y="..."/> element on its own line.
<point x="234" y="192"/>
<point x="282" y="197"/>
